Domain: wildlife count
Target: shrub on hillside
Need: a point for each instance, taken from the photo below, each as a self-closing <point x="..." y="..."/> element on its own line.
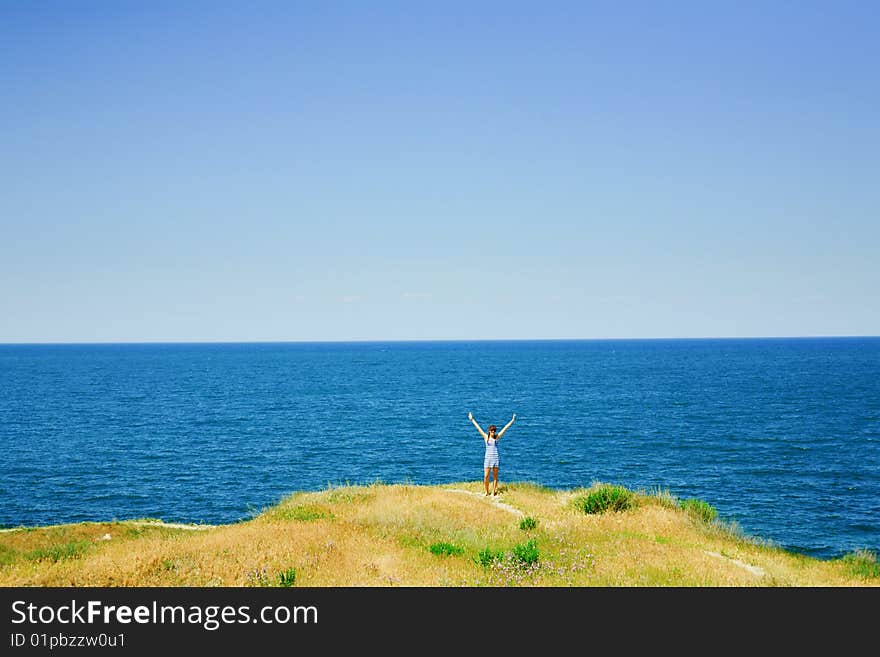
<point x="488" y="557"/>
<point x="59" y="551"/>
<point x="287" y="577"/>
<point x="528" y="523"/>
<point x="605" y="498"/>
<point x="445" y="549"/>
<point x="702" y="510"/>
<point x="863" y="563"/>
<point x="526" y="554"/>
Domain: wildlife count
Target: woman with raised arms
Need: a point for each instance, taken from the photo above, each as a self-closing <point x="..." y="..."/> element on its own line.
<point x="491" y="459"/>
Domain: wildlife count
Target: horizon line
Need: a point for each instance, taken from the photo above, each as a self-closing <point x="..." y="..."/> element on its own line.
<point x="433" y="340"/>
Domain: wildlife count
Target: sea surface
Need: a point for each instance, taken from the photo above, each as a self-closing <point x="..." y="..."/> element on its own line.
<point x="781" y="436"/>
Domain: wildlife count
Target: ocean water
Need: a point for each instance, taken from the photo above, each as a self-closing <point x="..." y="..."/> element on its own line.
<point x="781" y="436"/>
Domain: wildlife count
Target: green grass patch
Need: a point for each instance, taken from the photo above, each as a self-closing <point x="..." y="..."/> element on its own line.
<point x="302" y="513"/>
<point x="863" y="563"/>
<point x="526" y="554"/>
<point x="604" y="498"/>
<point x="59" y="551"/>
<point x="7" y="555"/>
<point x="349" y="495"/>
<point x="529" y="486"/>
<point x="487" y="557"/>
<point x="699" y="509"/>
<point x="528" y="523"/>
<point x="409" y="540"/>
<point x="445" y="549"/>
<point x="158" y="529"/>
<point x="287" y="577"/>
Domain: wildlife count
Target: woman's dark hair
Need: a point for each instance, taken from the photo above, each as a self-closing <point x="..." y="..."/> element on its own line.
<point x="492" y="428"/>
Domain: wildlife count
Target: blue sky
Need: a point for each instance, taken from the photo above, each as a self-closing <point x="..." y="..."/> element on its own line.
<point x="216" y="171"/>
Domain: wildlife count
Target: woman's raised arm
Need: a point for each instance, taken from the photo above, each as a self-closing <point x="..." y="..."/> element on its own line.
<point x="479" y="428"/>
<point x="506" y="426"/>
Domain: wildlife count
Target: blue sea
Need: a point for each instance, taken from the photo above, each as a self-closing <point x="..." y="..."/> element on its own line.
<point x="781" y="436"/>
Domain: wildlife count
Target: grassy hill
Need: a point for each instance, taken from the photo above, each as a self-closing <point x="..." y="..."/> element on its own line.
<point x="440" y="536"/>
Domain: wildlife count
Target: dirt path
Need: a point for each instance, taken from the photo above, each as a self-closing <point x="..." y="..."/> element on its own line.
<point x="754" y="570"/>
<point x="491" y="499"/>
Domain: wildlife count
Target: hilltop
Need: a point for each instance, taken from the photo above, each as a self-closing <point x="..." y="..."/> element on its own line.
<point x="438" y="536"/>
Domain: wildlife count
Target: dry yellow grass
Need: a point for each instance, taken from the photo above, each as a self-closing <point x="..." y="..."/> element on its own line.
<point x="381" y="535"/>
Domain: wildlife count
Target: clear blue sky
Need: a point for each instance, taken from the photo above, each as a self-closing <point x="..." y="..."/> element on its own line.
<point x="204" y="171"/>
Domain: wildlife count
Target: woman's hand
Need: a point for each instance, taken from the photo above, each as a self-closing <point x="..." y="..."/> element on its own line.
<point x="470" y="416"/>
<point x="513" y="418"/>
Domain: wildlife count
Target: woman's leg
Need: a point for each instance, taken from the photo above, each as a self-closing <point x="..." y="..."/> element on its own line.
<point x="486" y="479"/>
<point x="495" y="474"/>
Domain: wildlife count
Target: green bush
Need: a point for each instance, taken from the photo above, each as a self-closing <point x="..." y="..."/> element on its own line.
<point x="303" y="513"/>
<point x="59" y="551"/>
<point x="487" y="557"/>
<point x="526" y="554"/>
<point x="702" y="510"/>
<point x="445" y="549"/>
<point x="605" y="498"/>
<point x="863" y="563"/>
<point x="528" y="523"/>
<point x="7" y="555"/>
<point x="287" y="577"/>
